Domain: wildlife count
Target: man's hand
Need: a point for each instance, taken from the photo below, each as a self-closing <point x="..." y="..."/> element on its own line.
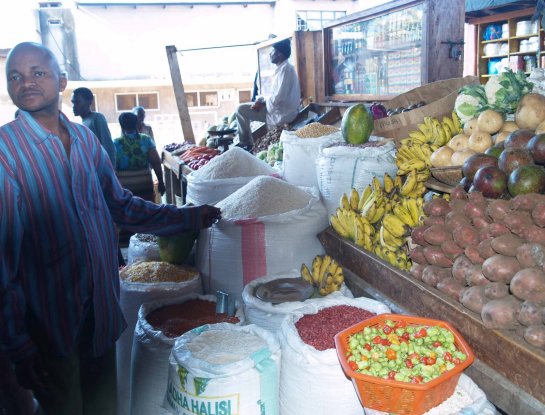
<point x="208" y="215"/>
<point x="258" y="106"/>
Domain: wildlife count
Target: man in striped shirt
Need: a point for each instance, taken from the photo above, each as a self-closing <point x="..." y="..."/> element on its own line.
<point x="59" y="283"/>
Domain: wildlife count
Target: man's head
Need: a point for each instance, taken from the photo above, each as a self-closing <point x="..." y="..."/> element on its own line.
<point x="128" y="122"/>
<point x="82" y="99"/>
<point x="140" y="112"/>
<point x="281" y="51"/>
<point x="34" y="79"/>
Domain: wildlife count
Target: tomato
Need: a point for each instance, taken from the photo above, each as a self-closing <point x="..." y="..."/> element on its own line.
<point x="417" y="379"/>
<point x="392" y="374"/>
<point x="391" y="354"/>
<point x="353" y="365"/>
<point x="430" y="361"/>
<point x="367" y="346"/>
<point x="409" y="363"/>
<point x="420" y="333"/>
<point x="447" y="356"/>
<point x="414" y="355"/>
<point x="406" y="336"/>
<point x="401" y="324"/>
<point x="385" y="342"/>
<point x="387" y="329"/>
<point x="456" y="361"/>
<point x="377" y="340"/>
<point x="437" y="344"/>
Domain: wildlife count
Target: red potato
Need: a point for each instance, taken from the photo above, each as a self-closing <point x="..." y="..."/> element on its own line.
<point x="529" y="284"/>
<point x="436" y="234"/>
<point x="458" y="193"/>
<point x="473" y="298"/>
<point x="531" y="255"/>
<point x="535" y="335"/>
<point x="530" y="314"/>
<point x="450" y="287"/>
<point x="518" y="222"/>
<point x="501" y="314"/>
<point x="432" y="274"/>
<point x="435" y="256"/>
<point x="455" y="219"/>
<point x="462" y="268"/>
<point x="417" y="255"/>
<point x="501" y="268"/>
<point x="458" y="206"/>
<point x="474" y="209"/>
<point x="485" y="248"/>
<point x="451" y="249"/>
<point x="506" y="244"/>
<point x="534" y="234"/>
<point x="481" y="222"/>
<point x="436" y="207"/>
<point x="416" y="271"/>
<point x="484" y="234"/>
<point x="472" y="253"/>
<point x="496" y="290"/>
<point x="524" y="202"/>
<point x="497" y="229"/>
<point x="476" y="277"/>
<point x="417" y="235"/>
<point x="477" y="197"/>
<point x="538" y="215"/>
<point x="497" y="209"/>
<point x="466" y="235"/>
<point x="434" y="220"/>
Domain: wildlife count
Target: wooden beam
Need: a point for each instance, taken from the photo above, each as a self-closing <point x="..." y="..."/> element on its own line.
<point x="179" y="93"/>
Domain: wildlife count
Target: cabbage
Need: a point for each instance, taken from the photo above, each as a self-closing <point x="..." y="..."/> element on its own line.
<point x="505" y="90"/>
<point x="470" y="102"/>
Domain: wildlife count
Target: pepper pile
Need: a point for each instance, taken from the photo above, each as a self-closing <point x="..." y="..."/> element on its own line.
<point x="197" y="157"/>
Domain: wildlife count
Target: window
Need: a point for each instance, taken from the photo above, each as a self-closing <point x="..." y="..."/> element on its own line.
<point x="192" y="99"/>
<point x="315" y="19"/>
<point x="244" y="96"/>
<point x="126" y="102"/>
<point x="202" y="99"/>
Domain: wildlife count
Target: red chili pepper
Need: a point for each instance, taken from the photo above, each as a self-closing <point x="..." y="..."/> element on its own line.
<point x="385" y="342"/>
<point x="409" y="363"/>
<point x="437" y="344"/>
<point x="392" y="374"/>
<point x="386" y="329"/>
<point x="447" y="356"/>
<point x="352" y="365"/>
<point x="406" y="336"/>
<point x="367" y="346"/>
<point x="377" y="340"/>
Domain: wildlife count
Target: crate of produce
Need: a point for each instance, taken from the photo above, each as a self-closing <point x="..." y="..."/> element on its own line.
<point x="413" y="363"/>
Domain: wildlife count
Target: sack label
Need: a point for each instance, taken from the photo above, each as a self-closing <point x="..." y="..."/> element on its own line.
<point x="184" y="403"/>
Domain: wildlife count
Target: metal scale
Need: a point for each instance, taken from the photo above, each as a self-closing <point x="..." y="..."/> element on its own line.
<point x="221" y="139"/>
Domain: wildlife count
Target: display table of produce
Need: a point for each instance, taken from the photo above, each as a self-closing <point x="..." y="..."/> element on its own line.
<point x="503" y="351"/>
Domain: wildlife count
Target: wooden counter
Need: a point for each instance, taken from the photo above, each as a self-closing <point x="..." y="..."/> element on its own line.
<point x="174" y="171"/>
<point x="502" y="351"/>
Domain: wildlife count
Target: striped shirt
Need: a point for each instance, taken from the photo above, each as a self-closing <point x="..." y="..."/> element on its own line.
<point x="58" y="241"/>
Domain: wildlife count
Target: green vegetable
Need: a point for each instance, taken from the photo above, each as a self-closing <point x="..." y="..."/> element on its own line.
<point x="505" y="90"/>
<point x="470" y="102"/>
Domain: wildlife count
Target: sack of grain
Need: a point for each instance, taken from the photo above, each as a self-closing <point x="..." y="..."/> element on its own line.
<point x="143" y="247"/>
<point x="270" y="316"/>
<point x="301" y="149"/>
<point x="140" y="283"/>
<point x="152" y="346"/>
<point x="339" y="168"/>
<point x="224" y="369"/>
<point x="223" y="175"/>
<point x="312" y="381"/>
<point x="268" y="226"/>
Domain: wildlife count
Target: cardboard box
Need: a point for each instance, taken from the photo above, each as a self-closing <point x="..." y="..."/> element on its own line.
<point x="439" y="97"/>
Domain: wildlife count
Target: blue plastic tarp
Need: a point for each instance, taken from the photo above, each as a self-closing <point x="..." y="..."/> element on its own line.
<point x="474" y="5"/>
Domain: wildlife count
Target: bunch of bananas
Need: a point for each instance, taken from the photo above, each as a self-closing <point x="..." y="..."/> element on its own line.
<point x="415" y="151"/>
<point x="326" y="275"/>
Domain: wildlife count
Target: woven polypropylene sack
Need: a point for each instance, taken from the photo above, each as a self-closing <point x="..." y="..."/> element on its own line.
<point x="233" y="253"/>
<point x="150" y="357"/>
<point x="142" y="250"/>
<point x="312" y="382"/>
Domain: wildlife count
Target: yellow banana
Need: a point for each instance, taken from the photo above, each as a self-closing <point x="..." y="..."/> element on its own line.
<point x="338" y="227"/>
<point x="326" y="260"/>
<point x="376" y="184"/>
<point x="423" y="175"/>
<point x="378" y="213"/>
<point x="426" y="130"/>
<point x="418" y="191"/>
<point x="349" y="216"/>
<point x="398" y="182"/>
<point x="316" y="266"/>
<point x="305" y="274"/>
<point x="457" y="124"/>
<point x="333" y="266"/>
<point x="415" y="164"/>
<point x="354" y="199"/>
<point x="409" y="184"/>
<point x="338" y="276"/>
<point x="388" y="183"/>
<point x="395" y="226"/>
<point x="392" y="240"/>
<point x="414" y="210"/>
<point x="364" y="196"/>
<point x="359" y="234"/>
<point x="418" y="136"/>
<point x="345" y="202"/>
<point x="402" y="213"/>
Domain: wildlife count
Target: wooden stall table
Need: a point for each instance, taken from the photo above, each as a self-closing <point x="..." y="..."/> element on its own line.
<point x="507" y="369"/>
<point x="175" y="172"/>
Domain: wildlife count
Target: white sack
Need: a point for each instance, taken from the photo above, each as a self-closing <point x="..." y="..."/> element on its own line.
<point x="133" y="295"/>
<point x="248" y="386"/>
<point x="300" y="154"/>
<point x="270" y="316"/>
<point x="142" y="251"/>
<point x="150" y="353"/>
<point x="233" y="253"/>
<point x="339" y="168"/>
<point x="210" y="192"/>
<point x="312" y="382"/>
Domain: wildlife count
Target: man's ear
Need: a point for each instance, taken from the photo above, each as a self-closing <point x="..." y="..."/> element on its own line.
<point x="63" y="81"/>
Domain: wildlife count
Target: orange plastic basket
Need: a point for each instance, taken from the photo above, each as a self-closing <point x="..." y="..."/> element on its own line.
<point x="402" y="398"/>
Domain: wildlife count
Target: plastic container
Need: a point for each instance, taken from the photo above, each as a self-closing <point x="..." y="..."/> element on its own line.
<point x="524" y="27"/>
<point x="402" y="398"/>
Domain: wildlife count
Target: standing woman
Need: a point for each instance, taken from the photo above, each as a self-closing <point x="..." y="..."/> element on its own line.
<point x="142" y="127"/>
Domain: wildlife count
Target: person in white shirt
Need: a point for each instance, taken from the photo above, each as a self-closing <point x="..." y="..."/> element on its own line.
<point x="281" y="107"/>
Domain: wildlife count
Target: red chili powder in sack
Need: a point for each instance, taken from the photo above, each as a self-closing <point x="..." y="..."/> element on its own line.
<point x="176" y="319"/>
<point x="319" y="330"/>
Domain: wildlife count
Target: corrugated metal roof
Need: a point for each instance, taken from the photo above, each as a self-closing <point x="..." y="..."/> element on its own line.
<point x="132" y="3"/>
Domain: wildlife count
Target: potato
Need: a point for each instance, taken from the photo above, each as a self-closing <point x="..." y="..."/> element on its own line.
<point x="477" y="197"/>
<point x="531" y="255"/>
<point x="497" y="209"/>
<point x="437" y="234"/>
<point x="450" y="287"/>
<point x="496" y="290"/>
<point x="525" y="202"/>
<point x="476" y="277"/>
<point x="458" y="205"/>
<point x="529" y="284"/>
<point x="436" y="207"/>
<point x="538" y="214"/>
<point x="530" y="314"/>
<point x="434" y="220"/>
<point x="534" y="234"/>
<point x="416" y="271"/>
<point x="481" y="222"/>
<point x="466" y="235"/>
<point x="455" y="219"/>
<point x="506" y="244"/>
<point x="451" y="249"/>
<point x="501" y="314"/>
<point x="472" y="253"/>
<point x="497" y="229"/>
<point x="475" y="209"/>
<point x="417" y="235"/>
<point x="530" y="111"/>
<point x="501" y="268"/>
<point x="462" y="268"/>
<point x="432" y="274"/>
<point x="458" y="193"/>
<point x="535" y="335"/>
<point x="485" y="248"/>
<point x="490" y="121"/>
<point x="435" y="256"/>
<point x="417" y="255"/>
<point x="473" y="298"/>
<point x="518" y="222"/>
